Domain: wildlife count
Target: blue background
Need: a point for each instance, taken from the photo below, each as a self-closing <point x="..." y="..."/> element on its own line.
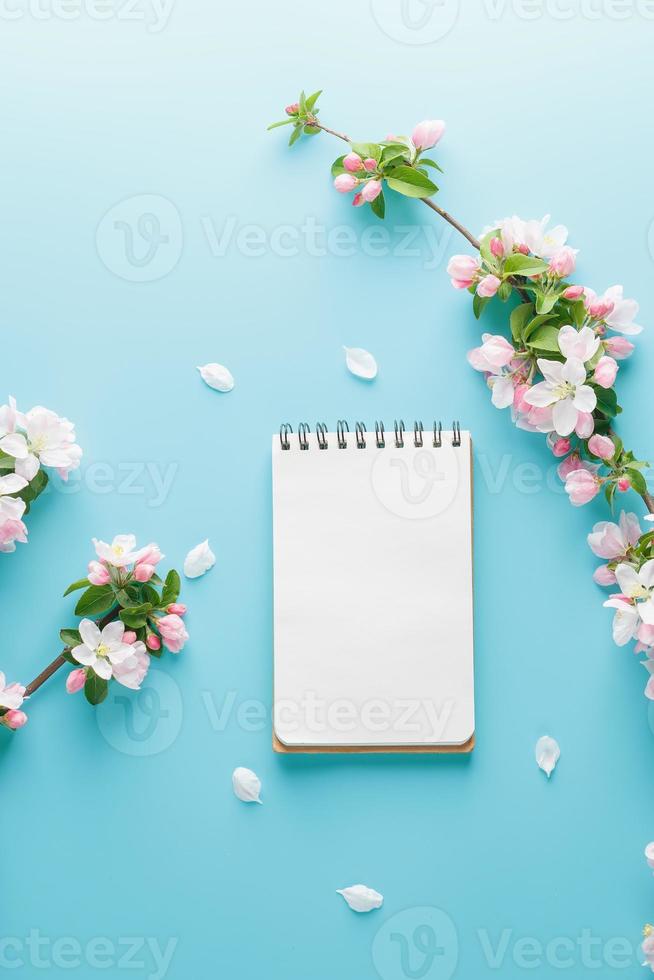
<point x="125" y="825"/>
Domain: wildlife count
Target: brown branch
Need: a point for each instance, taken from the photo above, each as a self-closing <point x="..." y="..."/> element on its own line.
<point x="60" y="660"/>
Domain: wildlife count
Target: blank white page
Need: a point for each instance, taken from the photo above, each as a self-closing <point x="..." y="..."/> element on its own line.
<point x="373" y="628"/>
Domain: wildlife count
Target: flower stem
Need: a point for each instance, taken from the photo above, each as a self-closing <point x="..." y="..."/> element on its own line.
<point x="60" y="660"/>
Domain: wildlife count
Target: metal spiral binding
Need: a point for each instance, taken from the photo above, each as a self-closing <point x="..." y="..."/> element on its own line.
<point x="284" y="431"/>
<point x="343" y="429"/>
<point x="303" y="431"/>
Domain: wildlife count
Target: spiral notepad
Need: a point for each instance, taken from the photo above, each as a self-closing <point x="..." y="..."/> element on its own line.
<point x="373" y="618"/>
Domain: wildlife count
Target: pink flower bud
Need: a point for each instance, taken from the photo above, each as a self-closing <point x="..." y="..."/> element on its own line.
<point x="563" y="262"/>
<point x="623" y="484"/>
<point x="427" y="133"/>
<point x="353" y="162"/>
<point x="463" y="269"/>
<point x="292" y="109"/>
<point x="573" y="292"/>
<point x="129" y="637"/>
<point x="605" y="371"/>
<point x="488" y="286"/>
<point x="173" y="632"/>
<point x="370" y="164"/>
<point x="176" y="608"/>
<point x="143" y="573"/>
<point x="357" y="200"/>
<point x="604" y="576"/>
<point x="370" y="190"/>
<point x="619" y="347"/>
<point x="14" y="719"/>
<point x="561" y="447"/>
<point x="496" y="247"/>
<point x="153" y="642"/>
<point x="600" y="308"/>
<point x="519" y="402"/>
<point x="76" y="680"/>
<point x="581" y="486"/>
<point x="150" y="555"/>
<point x="601" y="446"/>
<point x="345" y="183"/>
<point x="585" y="425"/>
<point x="522" y="248"/>
<point x="98" y="573"/>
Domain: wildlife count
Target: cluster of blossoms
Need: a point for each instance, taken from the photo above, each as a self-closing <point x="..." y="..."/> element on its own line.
<point x="143" y="617"/>
<point x="628" y="554"/>
<point x="30" y="441"/>
<point x="140" y="617"/>
<point x="557" y="373"/>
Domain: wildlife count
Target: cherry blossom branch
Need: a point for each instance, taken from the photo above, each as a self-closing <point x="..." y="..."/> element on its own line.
<point x="60" y="660"/>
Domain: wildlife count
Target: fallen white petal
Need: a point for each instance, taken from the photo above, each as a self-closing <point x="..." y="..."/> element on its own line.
<point x="199" y="560"/>
<point x="361" y="898"/>
<point x="547" y="753"/>
<point x="247" y="785"/>
<point x="649" y="854"/>
<point x="649" y="517"/>
<point x="360" y="362"/>
<point x="217" y="376"/>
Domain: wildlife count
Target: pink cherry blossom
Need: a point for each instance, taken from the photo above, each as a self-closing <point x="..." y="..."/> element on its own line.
<point x="131" y="671"/>
<point x="173" y="632"/>
<point x="569" y="465"/>
<point x="427" y="133"/>
<point x="613" y="541"/>
<point x="352" y="162"/>
<point x="143" y="572"/>
<point x="605" y="371"/>
<point x="76" y="680"/>
<point x="618" y="347"/>
<point x="345" y="183"/>
<point x="495" y="353"/>
<point x="98" y="573"/>
<point x="463" y="270"/>
<point x="563" y="389"/>
<point x="129" y="636"/>
<point x="14" y="719"/>
<point x="371" y="189"/>
<point x="560" y="447"/>
<point x="585" y="425"/>
<point x="582" y="344"/>
<point x="601" y="446"/>
<point x="488" y="286"/>
<point x="603" y="575"/>
<point x="581" y="486"/>
<point x="563" y="261"/>
<point x="11" y="695"/>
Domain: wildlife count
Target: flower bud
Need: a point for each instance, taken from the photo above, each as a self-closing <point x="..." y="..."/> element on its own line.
<point x="623" y="484"/>
<point x="76" y="680"/>
<point x="98" y="574"/>
<point x="573" y="292"/>
<point x="176" y="608"/>
<point x="14" y="719"/>
<point x="370" y="164"/>
<point x="143" y="572"/>
<point x="370" y="190"/>
<point x="129" y="637"/>
<point x="292" y="109"/>
<point x="345" y="183"/>
<point x="153" y="642"/>
<point x="353" y="162"/>
<point x="497" y="247"/>
<point x="427" y="133"/>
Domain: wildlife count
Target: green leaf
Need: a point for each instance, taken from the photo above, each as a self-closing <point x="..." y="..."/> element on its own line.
<point x="537" y="322"/>
<point x="95" y="688"/>
<point x="295" y="135"/>
<point x="504" y="292"/>
<point x="546" y="301"/>
<point x="172" y="587"/>
<point x="96" y="599"/>
<point x="523" y="265"/>
<point x="337" y="167"/>
<point x="137" y="616"/>
<point x="546" y="339"/>
<point x="426" y="162"/>
<point x="81" y="583"/>
<point x="479" y="303"/>
<point x="33" y="489"/>
<point x="378" y="206"/>
<point x="609" y="493"/>
<point x="607" y="401"/>
<point x="312" y="99"/>
<point x="364" y="150"/>
<point x="396" y="151"/>
<point x="637" y="480"/>
<point x="70" y="638"/>
<point x="410" y="182"/>
<point x="151" y="595"/>
<point x="69" y="658"/>
<point x="282" y="122"/>
<point x="578" y="311"/>
<point x="311" y="130"/>
<point x="519" y="319"/>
